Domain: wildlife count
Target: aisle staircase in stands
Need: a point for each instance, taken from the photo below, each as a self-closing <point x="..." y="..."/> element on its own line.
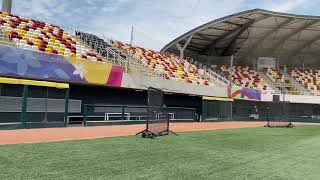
<point x="292" y="86"/>
<point x="117" y="57"/>
<point x="270" y="83"/>
<point x="296" y="85"/>
<point x="4" y="40"/>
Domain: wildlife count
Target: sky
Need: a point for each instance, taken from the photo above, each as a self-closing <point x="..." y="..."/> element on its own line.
<point x="155" y="22"/>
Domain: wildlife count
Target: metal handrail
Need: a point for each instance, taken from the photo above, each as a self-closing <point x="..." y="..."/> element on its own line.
<point x="210" y="74"/>
<point x="144" y="70"/>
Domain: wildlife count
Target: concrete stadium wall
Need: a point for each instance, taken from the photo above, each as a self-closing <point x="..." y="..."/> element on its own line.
<point x="304" y="99"/>
<point x="143" y="82"/>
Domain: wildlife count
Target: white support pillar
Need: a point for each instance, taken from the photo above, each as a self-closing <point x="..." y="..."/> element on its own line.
<point x="181" y="49"/>
<point x="6" y="6"/>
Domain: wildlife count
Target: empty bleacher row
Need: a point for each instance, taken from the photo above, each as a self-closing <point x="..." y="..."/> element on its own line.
<point x="309" y="79"/>
<point x="36" y="35"/>
<point x="107" y="50"/>
<point x="168" y="65"/>
<point x="94" y="42"/>
<point x="244" y="76"/>
<point x="274" y="74"/>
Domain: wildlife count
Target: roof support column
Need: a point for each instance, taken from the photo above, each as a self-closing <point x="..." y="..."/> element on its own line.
<point x="181" y="49"/>
<point x="6" y="5"/>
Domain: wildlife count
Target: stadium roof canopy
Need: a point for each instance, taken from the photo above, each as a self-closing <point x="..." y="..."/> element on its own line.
<point x="255" y="33"/>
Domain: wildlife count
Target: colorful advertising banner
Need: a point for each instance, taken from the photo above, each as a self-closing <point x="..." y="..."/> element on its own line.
<point x="238" y="92"/>
<point x="31" y="64"/>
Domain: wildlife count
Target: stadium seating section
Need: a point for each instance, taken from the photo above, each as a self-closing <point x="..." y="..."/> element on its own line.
<point x="169" y="66"/>
<point x="310" y="79"/>
<point x="36" y="35"/>
<point x="94" y="42"/>
<point x="244" y="76"/>
<point x="274" y="74"/>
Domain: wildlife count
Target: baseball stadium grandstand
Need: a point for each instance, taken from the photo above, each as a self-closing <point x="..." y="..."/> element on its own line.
<point x="215" y="88"/>
<point x="255" y="64"/>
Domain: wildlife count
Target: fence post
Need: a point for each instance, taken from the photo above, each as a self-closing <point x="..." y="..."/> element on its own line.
<point x="231" y="111"/>
<point x="85" y="115"/>
<point x="24" y="106"/>
<point x="194" y="117"/>
<point x="122" y="116"/>
<point x="203" y="111"/>
<point x="66" y="107"/>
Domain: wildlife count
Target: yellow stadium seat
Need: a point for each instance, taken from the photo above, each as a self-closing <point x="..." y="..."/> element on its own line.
<point x="37" y="43"/>
<point x="25" y="38"/>
<point x="48" y="50"/>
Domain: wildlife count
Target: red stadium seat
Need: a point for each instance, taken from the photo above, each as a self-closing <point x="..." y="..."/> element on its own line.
<point x="24" y="28"/>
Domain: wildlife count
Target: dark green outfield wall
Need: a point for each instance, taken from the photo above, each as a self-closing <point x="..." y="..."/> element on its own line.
<point x="241" y="110"/>
<point x="208" y="110"/>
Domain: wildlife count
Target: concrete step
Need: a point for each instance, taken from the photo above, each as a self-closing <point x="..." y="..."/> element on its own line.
<point x="4" y="40"/>
<point x="297" y="85"/>
<point x="270" y="83"/>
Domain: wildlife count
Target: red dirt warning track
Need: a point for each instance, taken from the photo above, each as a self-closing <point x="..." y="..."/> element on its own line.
<point x="77" y="133"/>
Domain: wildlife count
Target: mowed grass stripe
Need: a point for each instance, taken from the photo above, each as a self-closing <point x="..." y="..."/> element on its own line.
<point x="250" y="153"/>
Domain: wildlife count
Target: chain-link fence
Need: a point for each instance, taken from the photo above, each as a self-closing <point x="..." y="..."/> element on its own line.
<point x="45" y="105"/>
<point x="11" y="98"/>
<point x="26" y="106"/>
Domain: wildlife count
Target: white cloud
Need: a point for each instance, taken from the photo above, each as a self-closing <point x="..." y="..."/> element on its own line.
<point x="286" y="6"/>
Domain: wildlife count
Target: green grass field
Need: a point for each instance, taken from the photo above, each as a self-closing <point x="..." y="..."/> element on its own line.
<point x="252" y="153"/>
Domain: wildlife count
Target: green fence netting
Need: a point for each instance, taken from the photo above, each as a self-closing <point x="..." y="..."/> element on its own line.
<point x="25" y="106"/>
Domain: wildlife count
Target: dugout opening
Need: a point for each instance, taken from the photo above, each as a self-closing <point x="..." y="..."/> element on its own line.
<point x="32" y="104"/>
<point x="216" y="109"/>
<point x="105" y="106"/>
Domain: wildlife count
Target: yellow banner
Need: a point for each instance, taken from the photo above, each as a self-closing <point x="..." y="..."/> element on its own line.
<point x="216" y="98"/>
<point x="93" y="72"/>
<point x="4" y="80"/>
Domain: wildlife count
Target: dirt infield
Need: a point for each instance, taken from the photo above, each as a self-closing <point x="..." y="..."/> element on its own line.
<point x="77" y="133"/>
